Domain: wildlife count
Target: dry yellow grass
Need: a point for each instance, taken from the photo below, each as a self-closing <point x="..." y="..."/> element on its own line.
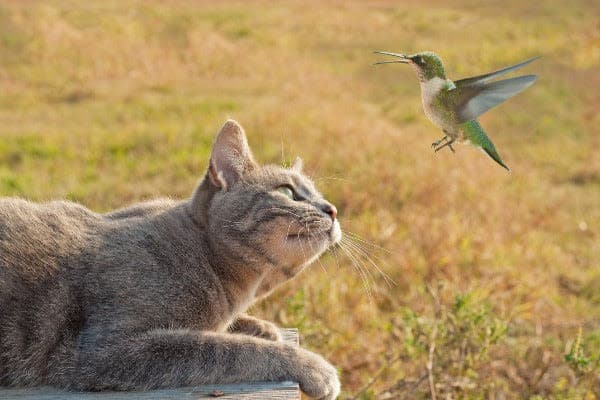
<point x="111" y="102"/>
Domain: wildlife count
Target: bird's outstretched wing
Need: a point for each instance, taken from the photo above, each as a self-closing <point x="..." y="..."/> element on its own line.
<point x="473" y="100"/>
<point x="474" y="96"/>
<point x="481" y="79"/>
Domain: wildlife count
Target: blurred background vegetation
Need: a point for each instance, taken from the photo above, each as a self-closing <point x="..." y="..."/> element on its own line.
<point x="496" y="289"/>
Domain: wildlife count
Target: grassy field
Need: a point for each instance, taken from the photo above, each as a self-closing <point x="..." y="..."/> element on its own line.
<point x="496" y="291"/>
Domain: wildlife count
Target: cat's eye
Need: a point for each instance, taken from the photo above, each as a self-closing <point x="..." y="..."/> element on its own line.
<point x="287" y="191"/>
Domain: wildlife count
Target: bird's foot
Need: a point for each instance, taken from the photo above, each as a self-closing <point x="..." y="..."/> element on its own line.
<point x="441" y="145"/>
<point x="437" y="143"/>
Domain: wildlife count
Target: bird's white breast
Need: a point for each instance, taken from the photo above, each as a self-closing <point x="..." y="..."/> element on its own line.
<point x="429" y="90"/>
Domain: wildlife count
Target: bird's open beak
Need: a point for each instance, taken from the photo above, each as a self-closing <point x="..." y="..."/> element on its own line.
<point x="402" y="58"/>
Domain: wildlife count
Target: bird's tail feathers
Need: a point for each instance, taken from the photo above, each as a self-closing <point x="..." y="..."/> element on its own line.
<point x="493" y="154"/>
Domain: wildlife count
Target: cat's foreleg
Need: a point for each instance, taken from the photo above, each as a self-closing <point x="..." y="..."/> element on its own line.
<point x="173" y="358"/>
<point x="248" y="325"/>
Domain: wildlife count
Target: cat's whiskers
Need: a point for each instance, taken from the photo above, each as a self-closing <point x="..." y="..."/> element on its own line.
<point x="364" y="254"/>
<point x="360" y="261"/>
<point x="334" y="251"/>
<point x="356" y="265"/>
<point x="366" y="242"/>
<point x="359" y="252"/>
<point x="306" y="259"/>
<point x="312" y="250"/>
<point x="287" y="235"/>
<point x="374" y="258"/>
<point x="365" y="250"/>
<point x="288" y="231"/>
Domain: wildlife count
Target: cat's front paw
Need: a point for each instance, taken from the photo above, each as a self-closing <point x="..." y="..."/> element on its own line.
<point x="317" y="377"/>
<point x="256" y="327"/>
<point x="269" y="331"/>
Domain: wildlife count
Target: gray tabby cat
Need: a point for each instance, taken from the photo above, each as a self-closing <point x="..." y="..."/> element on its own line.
<point x="154" y="295"/>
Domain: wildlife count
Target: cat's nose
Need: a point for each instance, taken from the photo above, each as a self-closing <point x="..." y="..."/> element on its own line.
<point x="331" y="210"/>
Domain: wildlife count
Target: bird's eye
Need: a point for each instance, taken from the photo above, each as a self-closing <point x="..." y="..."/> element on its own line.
<point x="287" y="191"/>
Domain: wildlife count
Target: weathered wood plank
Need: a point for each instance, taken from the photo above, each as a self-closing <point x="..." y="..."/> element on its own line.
<point x="250" y="391"/>
<point x="245" y="391"/>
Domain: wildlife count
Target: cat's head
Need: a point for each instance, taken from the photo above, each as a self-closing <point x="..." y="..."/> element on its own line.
<point x="264" y="216"/>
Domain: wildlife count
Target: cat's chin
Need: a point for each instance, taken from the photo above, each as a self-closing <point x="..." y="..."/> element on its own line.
<point x="323" y="239"/>
<point x="335" y="234"/>
<point x="316" y="243"/>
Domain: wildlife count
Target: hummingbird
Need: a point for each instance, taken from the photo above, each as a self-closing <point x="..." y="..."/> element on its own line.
<point x="455" y="105"/>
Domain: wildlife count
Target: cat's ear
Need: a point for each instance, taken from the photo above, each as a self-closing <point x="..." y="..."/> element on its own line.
<point x="231" y="157"/>
<point x="297" y="165"/>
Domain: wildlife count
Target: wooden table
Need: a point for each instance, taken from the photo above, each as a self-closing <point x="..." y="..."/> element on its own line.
<point x="249" y="391"/>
